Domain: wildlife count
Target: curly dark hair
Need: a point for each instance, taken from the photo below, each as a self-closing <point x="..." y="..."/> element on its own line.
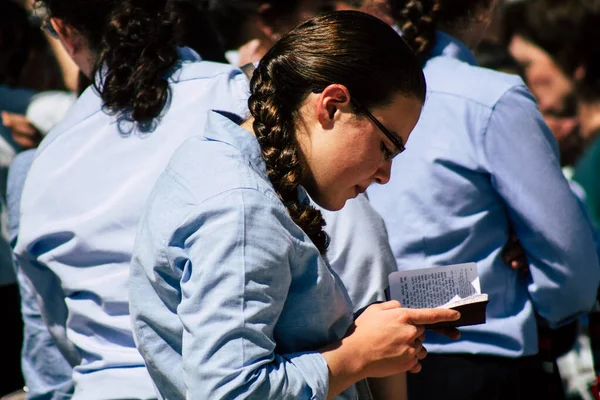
<point x="349" y="48"/>
<point x="419" y="19"/>
<point x="135" y="42"/>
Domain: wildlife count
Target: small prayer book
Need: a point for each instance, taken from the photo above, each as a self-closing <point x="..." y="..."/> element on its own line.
<point x="453" y="286"/>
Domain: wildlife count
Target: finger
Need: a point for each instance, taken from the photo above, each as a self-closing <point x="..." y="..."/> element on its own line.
<point x="25" y="143"/>
<point x="513" y="253"/>
<point x="422" y="353"/>
<point x="426" y="316"/>
<point x="387" y="305"/>
<point x="416" y="369"/>
<point x="520" y="265"/>
<point x="452" y="333"/>
<point x="20" y="126"/>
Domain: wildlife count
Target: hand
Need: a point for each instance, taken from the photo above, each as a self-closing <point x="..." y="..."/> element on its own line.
<point x="452" y="333"/>
<point x="23" y="132"/>
<point x="389" y="339"/>
<point x="513" y="254"/>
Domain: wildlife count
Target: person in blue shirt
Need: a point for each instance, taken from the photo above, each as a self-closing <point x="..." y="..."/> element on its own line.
<point x="230" y="294"/>
<point x="92" y="174"/>
<point x="359" y="251"/>
<point x="481" y="164"/>
<point x="365" y="272"/>
<point x="47" y="373"/>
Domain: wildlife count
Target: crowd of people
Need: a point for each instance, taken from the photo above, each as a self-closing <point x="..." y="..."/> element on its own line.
<point x="204" y="199"/>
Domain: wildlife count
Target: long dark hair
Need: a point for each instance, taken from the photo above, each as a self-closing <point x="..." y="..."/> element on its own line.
<point x="349" y="48"/>
<point x="136" y="45"/>
<point x="419" y="19"/>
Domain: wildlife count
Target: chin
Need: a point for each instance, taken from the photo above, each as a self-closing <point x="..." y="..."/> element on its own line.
<point x="330" y="204"/>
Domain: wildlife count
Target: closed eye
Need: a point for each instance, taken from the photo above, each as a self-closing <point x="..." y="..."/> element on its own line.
<point x="387" y="154"/>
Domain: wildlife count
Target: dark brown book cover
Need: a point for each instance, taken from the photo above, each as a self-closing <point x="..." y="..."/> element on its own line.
<point x="470" y="314"/>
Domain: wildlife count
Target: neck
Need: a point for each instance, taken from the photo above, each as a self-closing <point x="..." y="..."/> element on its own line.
<point x="470" y="35"/>
<point x="589" y="120"/>
<point x="248" y="125"/>
<point x="253" y="51"/>
<point x="472" y="30"/>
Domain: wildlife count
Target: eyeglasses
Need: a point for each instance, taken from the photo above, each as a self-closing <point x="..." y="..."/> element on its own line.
<point x="395" y="139"/>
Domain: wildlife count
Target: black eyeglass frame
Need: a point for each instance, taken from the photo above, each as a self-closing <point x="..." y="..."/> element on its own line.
<point x="395" y="139"/>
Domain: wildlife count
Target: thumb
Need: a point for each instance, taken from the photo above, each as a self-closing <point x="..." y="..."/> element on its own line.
<point x="426" y="316"/>
<point x="6" y="120"/>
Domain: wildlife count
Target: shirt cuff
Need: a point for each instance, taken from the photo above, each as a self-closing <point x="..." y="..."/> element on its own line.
<point x="315" y="371"/>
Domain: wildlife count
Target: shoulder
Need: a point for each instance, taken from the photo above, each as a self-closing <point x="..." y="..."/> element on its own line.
<point x="222" y="86"/>
<point x="207" y="168"/>
<point x="479" y="86"/>
<point x="198" y="70"/>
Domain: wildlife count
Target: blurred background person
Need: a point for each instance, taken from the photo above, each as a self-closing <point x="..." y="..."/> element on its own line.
<point x="248" y="28"/>
<point x="481" y="157"/>
<point x="27" y="67"/>
<point x="113" y="140"/>
<point x="558" y="45"/>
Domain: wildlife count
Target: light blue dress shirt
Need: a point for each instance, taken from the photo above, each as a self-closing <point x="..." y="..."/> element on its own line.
<point x="229" y="297"/>
<point x="359" y="251"/>
<point x="480" y="161"/>
<point x="81" y="204"/>
<point x="48" y="375"/>
<point x="14" y="100"/>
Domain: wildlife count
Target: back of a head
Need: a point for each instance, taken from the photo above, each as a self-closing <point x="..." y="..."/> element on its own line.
<point x="135" y="46"/>
<point x="349" y="48"/>
<point x="496" y="56"/>
<point x="198" y="30"/>
<point x="230" y="16"/>
<point x="419" y="19"/>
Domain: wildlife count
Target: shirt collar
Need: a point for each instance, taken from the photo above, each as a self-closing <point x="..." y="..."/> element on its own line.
<point x="224" y="127"/>
<point x="449" y="46"/>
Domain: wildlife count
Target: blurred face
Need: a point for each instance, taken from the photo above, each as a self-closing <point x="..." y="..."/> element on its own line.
<point x="307" y="9"/>
<point x="555" y="95"/>
<point x="377" y="8"/>
<point x="547" y="82"/>
<point x="346" y="156"/>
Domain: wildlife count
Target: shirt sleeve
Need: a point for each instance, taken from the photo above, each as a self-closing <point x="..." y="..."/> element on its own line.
<point x="234" y="288"/>
<point x="359" y="251"/>
<point x="45" y="369"/>
<point x="521" y="155"/>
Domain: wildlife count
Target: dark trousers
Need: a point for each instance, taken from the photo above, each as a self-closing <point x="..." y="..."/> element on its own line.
<point x="11" y="378"/>
<point x="472" y="377"/>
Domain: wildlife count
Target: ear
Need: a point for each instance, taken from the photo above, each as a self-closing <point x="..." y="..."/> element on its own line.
<point x="265" y="23"/>
<point x="70" y="38"/>
<point x="331" y="103"/>
<point x="579" y="73"/>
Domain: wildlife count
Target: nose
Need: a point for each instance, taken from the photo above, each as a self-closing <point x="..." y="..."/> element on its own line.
<point x="383" y="173"/>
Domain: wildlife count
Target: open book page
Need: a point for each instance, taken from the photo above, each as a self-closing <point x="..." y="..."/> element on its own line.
<point x="467" y="300"/>
<point x="435" y="287"/>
